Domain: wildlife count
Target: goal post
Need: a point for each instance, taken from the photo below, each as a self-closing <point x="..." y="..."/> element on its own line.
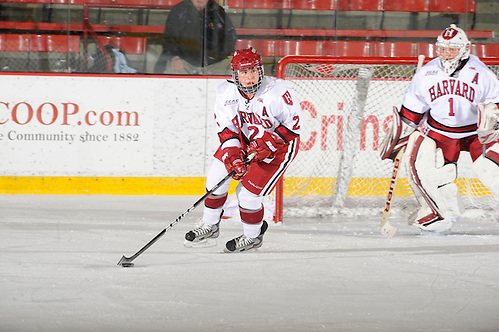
<point x="347" y="110"/>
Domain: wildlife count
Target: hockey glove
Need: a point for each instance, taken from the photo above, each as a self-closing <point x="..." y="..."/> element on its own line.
<point x="233" y="158"/>
<point x="266" y="146"/>
<point x="488" y="123"/>
<point x="397" y="137"/>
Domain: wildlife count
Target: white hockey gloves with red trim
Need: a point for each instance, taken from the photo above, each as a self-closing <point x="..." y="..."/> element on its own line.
<point x="488" y="123"/>
<point x="266" y="146"/>
<point x="233" y="159"/>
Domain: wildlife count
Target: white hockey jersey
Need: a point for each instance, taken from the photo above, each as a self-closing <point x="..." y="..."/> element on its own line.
<point x="274" y="108"/>
<point x="450" y="103"/>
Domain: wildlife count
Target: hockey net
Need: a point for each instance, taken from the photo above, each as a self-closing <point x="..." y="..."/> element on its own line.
<point x="347" y="105"/>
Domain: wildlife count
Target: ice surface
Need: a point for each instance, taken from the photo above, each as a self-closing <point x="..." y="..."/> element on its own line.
<point x="58" y="257"/>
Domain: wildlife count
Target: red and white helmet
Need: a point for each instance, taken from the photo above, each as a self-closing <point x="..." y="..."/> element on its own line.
<point x="244" y="60"/>
<point x="456" y="38"/>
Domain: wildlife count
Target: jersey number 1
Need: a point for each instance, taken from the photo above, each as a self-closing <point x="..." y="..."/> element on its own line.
<point x="451" y="107"/>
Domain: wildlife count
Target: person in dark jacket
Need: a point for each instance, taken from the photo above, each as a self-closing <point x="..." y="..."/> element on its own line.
<point x="198" y="39"/>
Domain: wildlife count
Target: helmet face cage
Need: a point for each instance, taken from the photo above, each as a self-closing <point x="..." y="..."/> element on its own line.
<point x="244" y="60"/>
<point x="456" y="38"/>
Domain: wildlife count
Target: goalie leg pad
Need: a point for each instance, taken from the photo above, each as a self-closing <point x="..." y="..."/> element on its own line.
<point x="434" y="181"/>
<point x="487" y="169"/>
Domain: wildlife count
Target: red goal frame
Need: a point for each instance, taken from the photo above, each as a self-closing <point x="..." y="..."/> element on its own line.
<point x="279" y="193"/>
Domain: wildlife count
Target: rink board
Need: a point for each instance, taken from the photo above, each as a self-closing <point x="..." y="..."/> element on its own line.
<point x="182" y="186"/>
<point x="134" y="135"/>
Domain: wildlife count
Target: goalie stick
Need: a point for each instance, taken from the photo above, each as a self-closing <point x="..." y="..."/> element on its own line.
<point x="127" y="261"/>
<point x="386" y="228"/>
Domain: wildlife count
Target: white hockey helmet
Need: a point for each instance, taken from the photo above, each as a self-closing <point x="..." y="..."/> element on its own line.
<point x="452" y="37"/>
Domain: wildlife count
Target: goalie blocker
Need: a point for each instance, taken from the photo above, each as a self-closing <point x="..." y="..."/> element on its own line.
<point x="397" y="137"/>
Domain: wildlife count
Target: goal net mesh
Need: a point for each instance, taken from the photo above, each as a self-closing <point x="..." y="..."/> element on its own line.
<point x="347" y="106"/>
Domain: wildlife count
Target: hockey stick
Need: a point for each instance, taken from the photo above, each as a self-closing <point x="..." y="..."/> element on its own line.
<point x="386" y="228"/>
<point x="127" y="261"/>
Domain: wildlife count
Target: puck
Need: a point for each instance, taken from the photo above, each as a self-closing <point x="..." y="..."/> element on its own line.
<point x="127" y="264"/>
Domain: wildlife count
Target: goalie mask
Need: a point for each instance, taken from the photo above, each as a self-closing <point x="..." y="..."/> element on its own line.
<point x="453" y="46"/>
<point x="243" y="62"/>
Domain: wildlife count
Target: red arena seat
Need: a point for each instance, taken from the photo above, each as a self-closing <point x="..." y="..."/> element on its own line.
<point x="352" y="49"/>
<point x="129" y="45"/>
<point x="257" y="44"/>
<point x="361" y="5"/>
<point x="314" y="4"/>
<point x="39" y="43"/>
<point x="60" y="43"/>
<point x="235" y="4"/>
<point x="301" y="47"/>
<point x="453" y="6"/>
<point x="128" y="2"/>
<point x="485" y="50"/>
<point x="16" y="43"/>
<point x="256" y="4"/>
<point x="283" y="4"/>
<point x="164" y="3"/>
<point x="281" y="48"/>
<point x="407" y="5"/>
<point x="427" y="49"/>
<point x="395" y="49"/>
<point x="76" y="2"/>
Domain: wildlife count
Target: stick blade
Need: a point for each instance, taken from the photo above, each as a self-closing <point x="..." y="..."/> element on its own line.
<point x="125" y="262"/>
<point x="388" y="230"/>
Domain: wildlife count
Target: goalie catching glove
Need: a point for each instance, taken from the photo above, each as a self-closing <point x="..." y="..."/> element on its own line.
<point x="488" y="123"/>
<point x="265" y="146"/>
<point x="396" y="138"/>
<point x="233" y="158"/>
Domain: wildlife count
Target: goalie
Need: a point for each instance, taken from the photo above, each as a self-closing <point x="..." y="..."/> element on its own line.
<point x="256" y="116"/>
<point x="454" y="98"/>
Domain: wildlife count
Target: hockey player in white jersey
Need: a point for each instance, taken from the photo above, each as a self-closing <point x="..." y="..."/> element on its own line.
<point x="455" y="98"/>
<point x="255" y="114"/>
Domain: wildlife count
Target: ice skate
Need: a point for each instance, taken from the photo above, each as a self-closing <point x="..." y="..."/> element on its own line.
<point x="433" y="224"/>
<point x="203" y="235"/>
<point x="243" y="243"/>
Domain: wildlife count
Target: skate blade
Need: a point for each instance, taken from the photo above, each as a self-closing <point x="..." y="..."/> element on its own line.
<point x="255" y="248"/>
<point x="206" y="243"/>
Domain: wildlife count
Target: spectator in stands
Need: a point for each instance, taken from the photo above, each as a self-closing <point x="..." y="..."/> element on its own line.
<point x="198" y="39"/>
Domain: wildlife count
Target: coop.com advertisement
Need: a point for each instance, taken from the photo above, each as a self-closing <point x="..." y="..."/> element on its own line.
<point x="105" y="126"/>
